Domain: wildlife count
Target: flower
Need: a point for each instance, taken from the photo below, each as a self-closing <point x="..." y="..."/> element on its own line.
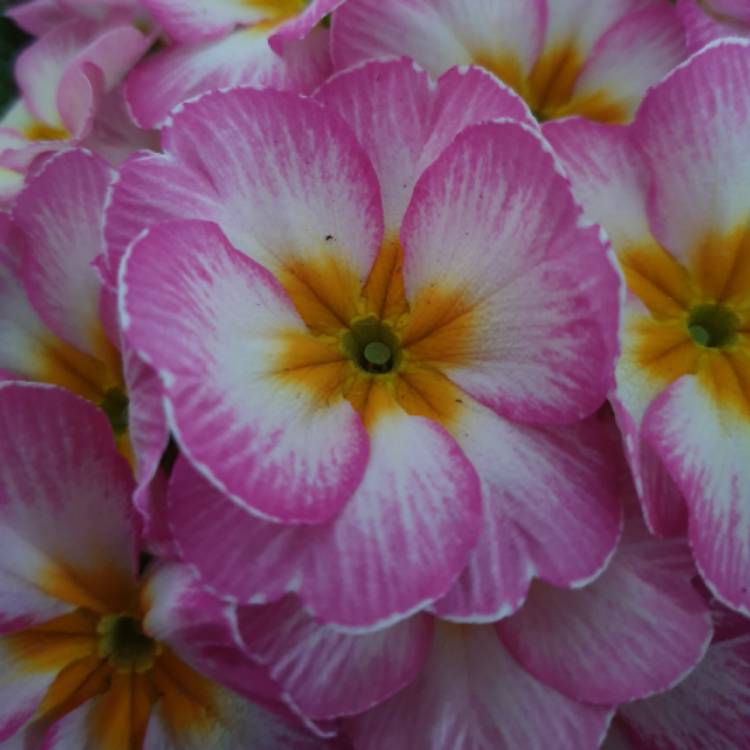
<point x="640" y="628"/>
<point x="707" y="20"/>
<point x="225" y="43"/>
<point x="565" y="57"/>
<point x="374" y="360"/>
<point x="673" y="195"/>
<point x="59" y="326"/>
<point x="82" y="665"/>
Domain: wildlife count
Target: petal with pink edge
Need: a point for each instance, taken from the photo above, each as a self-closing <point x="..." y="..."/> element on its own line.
<point x="526" y="295"/>
<point x="635" y="53"/>
<point x="169" y="77"/>
<point x="705" y="449"/>
<point x="638" y="629"/>
<point x="709" y="709"/>
<point x="151" y="189"/>
<point x="397" y="545"/>
<point x="440" y="34"/>
<point x="329" y="673"/>
<point x="298" y="27"/>
<point x="472" y="693"/>
<point x="607" y="176"/>
<point x="404" y="121"/>
<point x="295" y="187"/>
<point x="214" y="324"/>
<point x="702" y="26"/>
<point x="61" y="212"/>
<point x="37" y="17"/>
<point x="700" y="183"/>
<point x="551" y="510"/>
<point x="65" y="73"/>
<point x="66" y="536"/>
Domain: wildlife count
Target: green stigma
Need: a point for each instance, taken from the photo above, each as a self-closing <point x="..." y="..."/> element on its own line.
<point x="712" y="326"/>
<point x="377" y="353"/>
<point x="372" y="346"/>
<point x="123" y="642"/>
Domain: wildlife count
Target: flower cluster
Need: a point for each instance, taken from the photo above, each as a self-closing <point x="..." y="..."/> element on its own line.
<point x="375" y="375"/>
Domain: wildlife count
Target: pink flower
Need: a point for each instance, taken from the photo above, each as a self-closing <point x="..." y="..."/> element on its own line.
<point x="378" y="344"/>
<point x="92" y="655"/>
<point x="711" y="708"/>
<point x="222" y="43"/>
<point x="548" y="676"/>
<point x="565" y="57"/>
<point x="673" y="192"/>
<point x="69" y="81"/>
<point x="58" y="321"/>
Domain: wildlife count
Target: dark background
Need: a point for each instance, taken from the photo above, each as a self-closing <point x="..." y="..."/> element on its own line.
<point x="12" y="40"/>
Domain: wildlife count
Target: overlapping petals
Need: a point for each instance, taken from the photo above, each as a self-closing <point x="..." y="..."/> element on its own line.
<point x="567" y="57"/>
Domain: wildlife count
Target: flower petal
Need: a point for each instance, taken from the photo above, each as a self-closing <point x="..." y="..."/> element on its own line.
<point x="638" y="629"/>
<point x="60" y="211"/>
<point x="263" y="439"/>
<point x="329" y="673"/>
<point x="243" y="58"/>
<point x="551" y="510"/>
<point x="700" y="176"/>
<point x="67" y="537"/>
<point x="704" y="448"/>
<point x="472" y="693"/>
<point x="524" y="296"/>
<point x="439" y="35"/>
<point x="711" y="708"/>
<point x="397" y="545"/>
<point x="404" y="121"/>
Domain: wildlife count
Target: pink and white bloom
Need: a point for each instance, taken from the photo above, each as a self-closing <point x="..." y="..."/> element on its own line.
<point x="673" y="191"/>
<point x="92" y="655"/>
<point x="222" y="43"/>
<point x="568" y="656"/>
<point x="377" y="345"/>
<point x="58" y="323"/>
<point x="711" y="708"/>
<point x="564" y="57"/>
<point x="707" y="20"/>
<point x="69" y="81"/>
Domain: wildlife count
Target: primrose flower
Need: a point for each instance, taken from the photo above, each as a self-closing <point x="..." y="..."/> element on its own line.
<point x="672" y="191"/>
<point x="225" y="43"/>
<point x="83" y="665"/>
<point x="58" y="323"/>
<point x="379" y="344"/>
<point x="564" y="57"/>
<point x="710" y="708"/>
<point x="69" y="82"/>
<point x="707" y="20"/>
<point x="569" y="656"/>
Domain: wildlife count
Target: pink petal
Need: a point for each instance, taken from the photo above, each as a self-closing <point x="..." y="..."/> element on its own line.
<point x="638" y="629"/>
<point x="243" y="58"/>
<point x="551" y="510"/>
<point x="711" y="708"/>
<point x="60" y="211"/>
<point x="700" y="178"/>
<point x="66" y="512"/>
<point x="404" y="121"/>
<point x="705" y="449"/>
<point x="439" y="35"/>
<point x="298" y="27"/>
<point x="292" y="181"/>
<point x="493" y="222"/>
<point x="472" y="694"/>
<point x="634" y="53"/>
<point x="328" y="673"/>
<point x="37" y="17"/>
<point x="263" y="440"/>
<point x="397" y="545"/>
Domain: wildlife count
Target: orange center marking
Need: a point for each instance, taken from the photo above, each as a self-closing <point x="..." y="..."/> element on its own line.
<point x="698" y="319"/>
<point x="367" y="344"/>
<point x="87" y="659"/>
<point x="549" y="89"/>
